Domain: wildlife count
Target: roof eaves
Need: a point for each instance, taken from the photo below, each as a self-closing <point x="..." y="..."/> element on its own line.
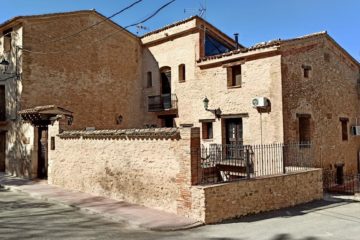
<point x="169" y="26"/>
<point x="92" y="11"/>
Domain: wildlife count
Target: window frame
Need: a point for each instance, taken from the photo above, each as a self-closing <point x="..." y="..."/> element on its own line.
<point x="304" y="132"/>
<point x="207" y="128"/>
<point x="182" y="73"/>
<point x="344" y="129"/>
<point x="149" y="79"/>
<point x="231" y="76"/>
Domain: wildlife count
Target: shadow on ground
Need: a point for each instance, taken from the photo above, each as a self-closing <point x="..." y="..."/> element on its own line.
<point x="298" y="210"/>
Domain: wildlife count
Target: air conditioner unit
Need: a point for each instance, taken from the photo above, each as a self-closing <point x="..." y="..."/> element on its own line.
<point x="355" y="130"/>
<point x="260" y="102"/>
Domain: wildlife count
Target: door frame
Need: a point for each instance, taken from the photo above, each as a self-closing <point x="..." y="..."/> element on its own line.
<point x="42" y="156"/>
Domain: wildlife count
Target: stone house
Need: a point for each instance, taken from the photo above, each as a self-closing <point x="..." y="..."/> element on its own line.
<point x="91" y="74"/>
<point x="311" y="85"/>
<point x="110" y="79"/>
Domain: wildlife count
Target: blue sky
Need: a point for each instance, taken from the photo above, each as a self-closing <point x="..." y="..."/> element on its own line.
<point x="255" y="20"/>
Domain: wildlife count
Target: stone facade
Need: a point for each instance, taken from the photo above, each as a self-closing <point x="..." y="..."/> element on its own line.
<point x="83" y="74"/>
<point x="159" y="168"/>
<point x="273" y="70"/>
<point x="329" y="94"/>
<point x="216" y="203"/>
<point x="148" y="167"/>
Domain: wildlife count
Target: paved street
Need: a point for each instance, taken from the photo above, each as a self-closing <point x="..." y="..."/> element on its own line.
<point x="22" y="217"/>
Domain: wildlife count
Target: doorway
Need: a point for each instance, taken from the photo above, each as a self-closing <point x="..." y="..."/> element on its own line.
<point x="2" y="151"/>
<point x="42" y="152"/>
<point x="233" y="138"/>
<point x="234" y="131"/>
<point x="168" y="122"/>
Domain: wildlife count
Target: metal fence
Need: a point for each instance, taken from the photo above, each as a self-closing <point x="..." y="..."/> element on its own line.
<point x="343" y="184"/>
<point x="225" y="163"/>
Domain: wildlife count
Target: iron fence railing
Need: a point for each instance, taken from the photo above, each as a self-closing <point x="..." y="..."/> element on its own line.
<point x="343" y="184"/>
<point x="225" y="163"/>
<point x="162" y="102"/>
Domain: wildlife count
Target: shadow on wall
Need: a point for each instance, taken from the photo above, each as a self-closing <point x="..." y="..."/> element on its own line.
<point x="18" y="156"/>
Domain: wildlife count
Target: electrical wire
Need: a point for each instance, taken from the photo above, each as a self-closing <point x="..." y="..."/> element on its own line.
<point x="91" y="26"/>
<point x="107" y="36"/>
<point x="143" y="21"/>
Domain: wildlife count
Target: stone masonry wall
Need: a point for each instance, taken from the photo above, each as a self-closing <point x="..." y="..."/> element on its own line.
<point x="328" y="94"/>
<point x="260" y="78"/>
<point x="216" y="203"/>
<point x="94" y="74"/>
<point x="147" y="167"/>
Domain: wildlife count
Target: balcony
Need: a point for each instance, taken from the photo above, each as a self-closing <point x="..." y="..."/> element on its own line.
<point x="163" y="102"/>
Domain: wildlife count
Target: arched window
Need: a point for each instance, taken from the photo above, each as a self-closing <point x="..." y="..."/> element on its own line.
<point x="182" y="73"/>
<point x="165" y="73"/>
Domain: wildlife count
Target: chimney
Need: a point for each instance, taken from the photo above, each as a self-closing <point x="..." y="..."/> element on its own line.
<point x="236" y="36"/>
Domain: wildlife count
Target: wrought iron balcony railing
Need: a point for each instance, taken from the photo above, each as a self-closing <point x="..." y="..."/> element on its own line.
<point x="162" y="102"/>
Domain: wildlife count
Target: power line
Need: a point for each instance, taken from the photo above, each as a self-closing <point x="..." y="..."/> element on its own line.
<point x="145" y="20"/>
<point x="91" y="26"/>
<point x="109" y="35"/>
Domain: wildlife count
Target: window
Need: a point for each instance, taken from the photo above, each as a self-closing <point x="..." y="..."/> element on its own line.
<point x="182" y="73"/>
<point x="327" y="57"/>
<point x="234" y="76"/>
<point x="214" y="46"/>
<point x="306" y="71"/>
<point x="52" y="143"/>
<point x="344" y="128"/>
<point x="149" y="80"/>
<point x="7" y="40"/>
<point x="207" y="130"/>
<point x="304" y="128"/>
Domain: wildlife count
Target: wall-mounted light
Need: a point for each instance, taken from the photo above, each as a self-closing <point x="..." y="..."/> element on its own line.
<point x="4" y="64"/>
<point x="216" y="112"/>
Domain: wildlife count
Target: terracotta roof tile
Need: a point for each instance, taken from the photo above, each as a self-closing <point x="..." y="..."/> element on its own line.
<point x="168" y="133"/>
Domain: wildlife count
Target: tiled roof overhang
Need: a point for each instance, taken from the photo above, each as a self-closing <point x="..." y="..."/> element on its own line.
<point x="163" y="133"/>
<point x="44" y="114"/>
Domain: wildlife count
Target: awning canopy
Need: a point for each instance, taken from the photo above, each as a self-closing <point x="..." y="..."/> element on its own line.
<point x="45" y="115"/>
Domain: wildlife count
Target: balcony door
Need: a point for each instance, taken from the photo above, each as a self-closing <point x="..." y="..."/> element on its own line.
<point x="165" y="73"/>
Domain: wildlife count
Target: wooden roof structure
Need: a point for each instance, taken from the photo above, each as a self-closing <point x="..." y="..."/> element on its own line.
<point x="45" y="115"/>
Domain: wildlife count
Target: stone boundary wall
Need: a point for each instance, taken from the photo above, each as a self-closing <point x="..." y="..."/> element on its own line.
<point x="215" y="203"/>
<point x="151" y="167"/>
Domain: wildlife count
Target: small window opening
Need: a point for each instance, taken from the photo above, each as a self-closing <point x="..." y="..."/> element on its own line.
<point x="7" y="40"/>
<point x="52" y="143"/>
<point x="234" y="76"/>
<point x="182" y="73"/>
<point x="304" y="129"/>
<point x="344" y="128"/>
<point x="327" y="57"/>
<point x="149" y="80"/>
<point x="207" y="130"/>
<point x="306" y="70"/>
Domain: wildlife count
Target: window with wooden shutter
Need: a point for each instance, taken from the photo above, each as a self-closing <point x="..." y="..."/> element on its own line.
<point x="234" y="76"/>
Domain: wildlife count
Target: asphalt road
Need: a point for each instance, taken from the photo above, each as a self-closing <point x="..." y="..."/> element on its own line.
<point x="22" y="217"/>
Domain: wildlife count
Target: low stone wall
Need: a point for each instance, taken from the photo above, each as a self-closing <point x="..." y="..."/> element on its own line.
<point x="158" y="168"/>
<point x="150" y="167"/>
<point x="216" y="203"/>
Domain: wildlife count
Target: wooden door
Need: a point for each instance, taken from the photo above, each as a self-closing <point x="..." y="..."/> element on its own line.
<point x="2" y="151"/>
<point x="234" y="138"/>
<point x="43" y="152"/>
